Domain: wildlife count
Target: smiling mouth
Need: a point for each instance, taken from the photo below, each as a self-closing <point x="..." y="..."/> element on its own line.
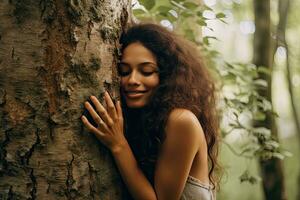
<point x="134" y="94"/>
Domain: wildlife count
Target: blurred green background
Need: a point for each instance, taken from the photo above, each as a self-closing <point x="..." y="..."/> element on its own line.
<point x="235" y="44"/>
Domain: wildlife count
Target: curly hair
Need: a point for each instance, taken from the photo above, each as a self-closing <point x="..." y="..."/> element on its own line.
<point x="184" y="83"/>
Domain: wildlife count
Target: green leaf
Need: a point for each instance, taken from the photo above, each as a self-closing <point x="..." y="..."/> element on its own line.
<point x="201" y="22"/>
<point x="178" y="4"/>
<point x="178" y="1"/>
<point x="272" y="144"/>
<point x="266" y="105"/>
<point x="137" y="12"/>
<point x="186" y="14"/>
<point x="244" y="98"/>
<point x="220" y="15"/>
<point x="229" y="64"/>
<point x="287" y="153"/>
<point x="274" y="113"/>
<point x="260" y="82"/>
<point x="206" y="41"/>
<point x="254" y="179"/>
<point x="199" y="13"/>
<point x="207" y="8"/>
<point x="250" y="149"/>
<point x="223" y="21"/>
<point x="189" y="33"/>
<point x="213" y="53"/>
<point x="164" y="9"/>
<point x="190" y="5"/>
<point x="229" y="77"/>
<point x="262" y="130"/>
<point x="278" y="155"/>
<point x="148" y="4"/>
<point x="260" y="116"/>
<point x="212" y="37"/>
<point x="264" y="70"/>
<point x="250" y="178"/>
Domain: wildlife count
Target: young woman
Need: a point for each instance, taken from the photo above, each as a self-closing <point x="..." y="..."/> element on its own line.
<point x="164" y="136"/>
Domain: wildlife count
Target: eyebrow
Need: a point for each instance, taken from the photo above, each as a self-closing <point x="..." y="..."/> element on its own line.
<point x="140" y="64"/>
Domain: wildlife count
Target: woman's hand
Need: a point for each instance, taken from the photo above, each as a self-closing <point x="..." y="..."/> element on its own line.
<point x="110" y="122"/>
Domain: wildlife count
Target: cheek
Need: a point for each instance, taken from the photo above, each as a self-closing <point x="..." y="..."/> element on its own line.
<point x="153" y="83"/>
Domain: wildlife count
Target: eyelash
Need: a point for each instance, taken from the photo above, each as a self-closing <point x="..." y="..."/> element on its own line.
<point x="126" y="73"/>
<point x="147" y="73"/>
<point x="123" y="73"/>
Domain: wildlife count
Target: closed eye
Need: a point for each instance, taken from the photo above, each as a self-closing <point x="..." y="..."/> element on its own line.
<point x="123" y="70"/>
<point x="148" y="69"/>
<point x="123" y="73"/>
<point x="148" y="73"/>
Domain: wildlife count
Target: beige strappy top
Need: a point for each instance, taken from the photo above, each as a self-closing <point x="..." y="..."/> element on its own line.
<point x="196" y="190"/>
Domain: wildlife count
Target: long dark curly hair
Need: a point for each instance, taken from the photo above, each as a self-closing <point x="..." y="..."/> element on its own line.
<point x="184" y="83"/>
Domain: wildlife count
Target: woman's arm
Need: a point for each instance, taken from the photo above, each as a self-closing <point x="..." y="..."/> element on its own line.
<point x="178" y="151"/>
<point x="136" y="182"/>
<point x="183" y="135"/>
<point x="110" y="133"/>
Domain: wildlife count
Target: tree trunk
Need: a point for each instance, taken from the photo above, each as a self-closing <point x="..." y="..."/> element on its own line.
<point x="283" y="10"/>
<point x="272" y="169"/>
<point x="54" y="54"/>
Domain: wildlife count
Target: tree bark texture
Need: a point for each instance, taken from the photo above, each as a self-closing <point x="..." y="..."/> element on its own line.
<point x="54" y="54"/>
<point x="271" y="169"/>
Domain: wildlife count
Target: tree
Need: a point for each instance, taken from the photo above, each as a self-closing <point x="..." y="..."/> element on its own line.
<point x="53" y="56"/>
<point x="283" y="10"/>
<point x="271" y="168"/>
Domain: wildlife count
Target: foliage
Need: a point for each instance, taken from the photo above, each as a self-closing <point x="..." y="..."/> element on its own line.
<point x="240" y="101"/>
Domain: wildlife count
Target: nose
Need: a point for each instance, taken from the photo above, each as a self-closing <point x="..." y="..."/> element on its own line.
<point x="133" y="78"/>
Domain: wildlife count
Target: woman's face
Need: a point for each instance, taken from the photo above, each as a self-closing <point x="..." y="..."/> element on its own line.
<point x="139" y="75"/>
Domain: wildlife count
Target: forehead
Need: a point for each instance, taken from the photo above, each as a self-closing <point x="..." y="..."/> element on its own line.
<point x="136" y="52"/>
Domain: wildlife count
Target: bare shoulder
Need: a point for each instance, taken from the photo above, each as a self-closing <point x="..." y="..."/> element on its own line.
<point x="182" y="143"/>
<point x="184" y="123"/>
<point x="182" y="116"/>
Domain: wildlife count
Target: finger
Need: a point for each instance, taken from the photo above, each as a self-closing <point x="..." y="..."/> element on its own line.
<point x="119" y="109"/>
<point x="91" y="128"/>
<point x="95" y="116"/>
<point x="110" y="106"/>
<point x="102" y="112"/>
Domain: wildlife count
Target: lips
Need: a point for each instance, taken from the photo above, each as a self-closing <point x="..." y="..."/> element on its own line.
<point x="134" y="93"/>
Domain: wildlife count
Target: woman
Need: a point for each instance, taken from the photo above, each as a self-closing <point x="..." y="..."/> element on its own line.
<point x="165" y="147"/>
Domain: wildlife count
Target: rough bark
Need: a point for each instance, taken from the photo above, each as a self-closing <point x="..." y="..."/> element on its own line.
<point x="54" y="54"/>
<point x="271" y="169"/>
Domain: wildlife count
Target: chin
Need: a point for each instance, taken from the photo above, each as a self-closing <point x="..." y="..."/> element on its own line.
<point x="135" y="103"/>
